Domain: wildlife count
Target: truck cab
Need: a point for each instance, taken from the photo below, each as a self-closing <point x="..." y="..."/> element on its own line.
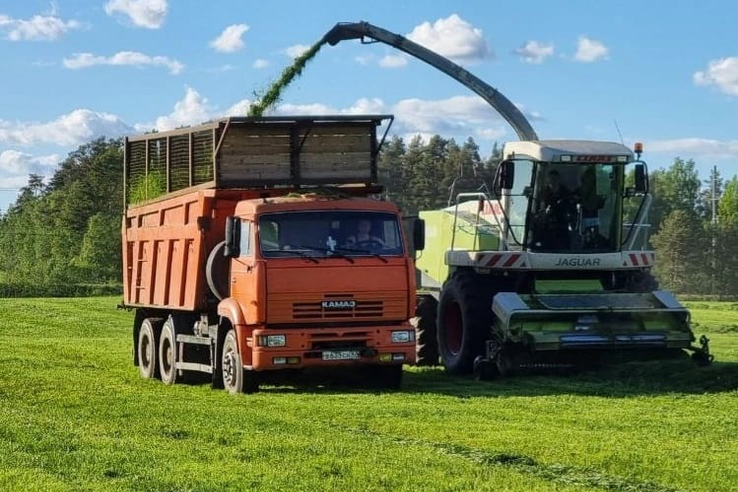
<point x="319" y="281"/>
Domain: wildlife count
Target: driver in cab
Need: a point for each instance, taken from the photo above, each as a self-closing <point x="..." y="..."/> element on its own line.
<point x="553" y="217"/>
<point x="363" y="236"/>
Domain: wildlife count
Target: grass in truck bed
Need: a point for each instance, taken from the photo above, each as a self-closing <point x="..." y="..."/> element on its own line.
<point x="74" y="415"/>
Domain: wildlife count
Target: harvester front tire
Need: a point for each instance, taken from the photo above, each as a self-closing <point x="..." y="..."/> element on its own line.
<point x="148" y="348"/>
<point x="426" y="334"/>
<point x="464" y="320"/>
<point x="235" y="379"/>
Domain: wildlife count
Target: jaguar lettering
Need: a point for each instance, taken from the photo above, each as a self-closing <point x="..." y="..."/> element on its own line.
<point x="338" y="304"/>
<point x="578" y="262"/>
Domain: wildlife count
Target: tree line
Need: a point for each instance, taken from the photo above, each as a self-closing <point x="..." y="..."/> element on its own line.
<point x="65" y="232"/>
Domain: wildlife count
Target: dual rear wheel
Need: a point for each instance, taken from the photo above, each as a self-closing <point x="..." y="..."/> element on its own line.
<point x="157" y="354"/>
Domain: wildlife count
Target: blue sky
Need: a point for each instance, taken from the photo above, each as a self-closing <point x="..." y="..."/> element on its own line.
<point x="76" y="69"/>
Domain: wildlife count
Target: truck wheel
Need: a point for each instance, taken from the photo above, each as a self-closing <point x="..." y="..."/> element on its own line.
<point x="147" y="347"/>
<point x="235" y="378"/>
<point x="168" y="353"/>
<point x="464" y="320"/>
<point x="425" y="331"/>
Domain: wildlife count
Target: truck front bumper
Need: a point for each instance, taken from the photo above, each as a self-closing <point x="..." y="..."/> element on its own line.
<point x="326" y="347"/>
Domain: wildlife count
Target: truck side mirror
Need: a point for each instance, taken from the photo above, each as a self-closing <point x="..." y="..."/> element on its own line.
<point x="505" y="177"/>
<point x="232" y="239"/>
<point x="641" y="179"/>
<point x="419" y="234"/>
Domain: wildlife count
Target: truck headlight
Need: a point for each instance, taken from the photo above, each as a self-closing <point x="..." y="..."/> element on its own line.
<point x="272" y="340"/>
<point x="403" y="336"/>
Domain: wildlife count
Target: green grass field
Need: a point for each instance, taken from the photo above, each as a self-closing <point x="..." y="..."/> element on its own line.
<point x="74" y="416"/>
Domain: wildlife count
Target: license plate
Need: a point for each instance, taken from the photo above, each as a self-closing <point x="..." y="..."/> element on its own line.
<point x="341" y="355"/>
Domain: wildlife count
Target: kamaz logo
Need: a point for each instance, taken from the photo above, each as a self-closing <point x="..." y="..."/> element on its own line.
<point x="578" y="262"/>
<point x="338" y="304"/>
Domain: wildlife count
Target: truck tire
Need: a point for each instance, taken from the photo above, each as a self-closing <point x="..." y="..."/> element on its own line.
<point x="235" y="379"/>
<point x="168" y="353"/>
<point x="147" y="348"/>
<point x="464" y="320"/>
<point x="426" y="338"/>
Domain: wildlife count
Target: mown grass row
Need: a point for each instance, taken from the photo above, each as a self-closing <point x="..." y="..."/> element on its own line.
<point x="75" y="416"/>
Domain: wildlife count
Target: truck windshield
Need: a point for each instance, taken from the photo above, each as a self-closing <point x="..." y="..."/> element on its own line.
<point x="329" y="233"/>
<point x="575" y="208"/>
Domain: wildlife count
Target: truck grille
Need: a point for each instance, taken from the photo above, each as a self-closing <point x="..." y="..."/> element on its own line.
<point x="349" y="309"/>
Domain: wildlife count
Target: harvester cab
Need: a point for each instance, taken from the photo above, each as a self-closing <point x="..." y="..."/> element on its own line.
<point x="549" y="265"/>
<point x="568" y="197"/>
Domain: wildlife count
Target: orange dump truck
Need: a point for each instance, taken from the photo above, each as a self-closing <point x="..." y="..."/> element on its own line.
<point x="253" y="245"/>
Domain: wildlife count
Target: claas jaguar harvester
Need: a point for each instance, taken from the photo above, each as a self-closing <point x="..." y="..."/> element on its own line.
<point x="541" y="270"/>
<point x="253" y="245"/>
<point x="549" y="264"/>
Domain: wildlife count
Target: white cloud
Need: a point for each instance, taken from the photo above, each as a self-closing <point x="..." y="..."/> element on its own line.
<point x="452" y="37"/>
<point x="20" y="163"/>
<point x="230" y="40"/>
<point x="366" y="106"/>
<point x="387" y="61"/>
<point x="142" y="13"/>
<point x="590" y="50"/>
<point x="46" y="27"/>
<point x="130" y="58"/>
<point x="535" y="52"/>
<point x="240" y="108"/>
<point x="304" y="109"/>
<point x="722" y="73"/>
<point x="192" y="109"/>
<point x="364" y="59"/>
<point x="13" y="182"/>
<point x="74" y="128"/>
<point x="296" y="50"/>
<point x="457" y="115"/>
<point x="694" y="147"/>
<point x="360" y="106"/>
<point x="393" y="61"/>
<point x="260" y="63"/>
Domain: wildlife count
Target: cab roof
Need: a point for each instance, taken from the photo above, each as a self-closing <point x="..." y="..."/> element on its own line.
<point x="552" y="150"/>
<point x="309" y="201"/>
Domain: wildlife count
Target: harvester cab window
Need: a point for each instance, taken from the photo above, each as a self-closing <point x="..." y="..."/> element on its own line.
<point x="518" y="199"/>
<point x="575" y="208"/>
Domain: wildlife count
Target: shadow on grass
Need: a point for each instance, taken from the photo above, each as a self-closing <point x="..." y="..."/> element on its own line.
<point x="626" y="379"/>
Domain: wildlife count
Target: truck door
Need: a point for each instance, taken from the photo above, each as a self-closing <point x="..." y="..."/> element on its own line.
<point x="246" y="276"/>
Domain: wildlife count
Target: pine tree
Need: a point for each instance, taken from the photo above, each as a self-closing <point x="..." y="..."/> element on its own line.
<point x="680" y="245"/>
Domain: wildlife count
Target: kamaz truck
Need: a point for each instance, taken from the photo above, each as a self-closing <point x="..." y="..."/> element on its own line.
<point x="252" y="246"/>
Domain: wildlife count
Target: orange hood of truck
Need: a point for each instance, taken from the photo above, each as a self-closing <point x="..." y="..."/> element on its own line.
<point x="336" y="291"/>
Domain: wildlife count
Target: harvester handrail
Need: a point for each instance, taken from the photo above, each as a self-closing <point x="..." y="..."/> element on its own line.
<point x="472" y="194"/>
<point x="639" y="223"/>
